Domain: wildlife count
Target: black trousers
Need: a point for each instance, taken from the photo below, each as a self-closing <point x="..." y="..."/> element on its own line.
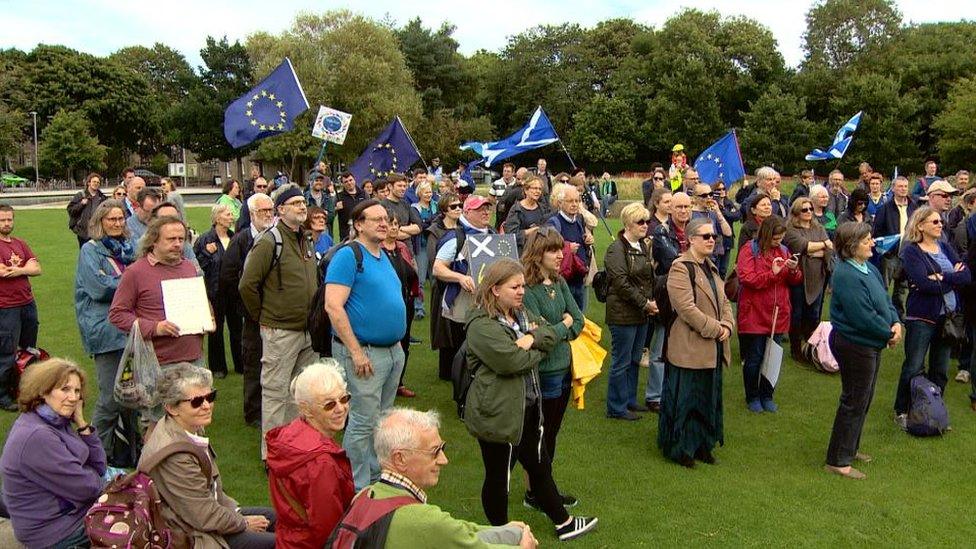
<point x="216" y="355"/>
<point x="499" y="458"/>
<point x="405" y="342"/>
<point x="251" y="354"/>
<point x="553" y="410"/>
<point x="859" y="367"/>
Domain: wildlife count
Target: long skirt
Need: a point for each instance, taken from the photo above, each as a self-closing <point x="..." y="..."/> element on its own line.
<point x="691" y="411"/>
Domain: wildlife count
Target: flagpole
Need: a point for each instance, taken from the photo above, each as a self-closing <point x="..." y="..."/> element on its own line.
<point x="321" y="154"/>
<point x="412" y="142"/>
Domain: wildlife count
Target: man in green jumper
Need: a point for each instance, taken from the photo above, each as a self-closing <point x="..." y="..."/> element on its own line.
<point x="410" y="450"/>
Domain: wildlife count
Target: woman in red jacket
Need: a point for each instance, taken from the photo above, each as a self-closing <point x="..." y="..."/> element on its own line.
<point x="766" y="270"/>
<point x="309" y="474"/>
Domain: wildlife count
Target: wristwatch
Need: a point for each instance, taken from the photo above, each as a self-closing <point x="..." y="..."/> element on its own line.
<point x="85" y="428"/>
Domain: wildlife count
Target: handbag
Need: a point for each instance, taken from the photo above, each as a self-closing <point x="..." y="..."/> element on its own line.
<point x="954" y="327"/>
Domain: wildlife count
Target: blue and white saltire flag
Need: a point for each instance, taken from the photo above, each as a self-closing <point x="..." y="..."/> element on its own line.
<point x="270" y="108"/>
<point x="841" y="141"/>
<point x="721" y="161"/>
<point x="537" y="133"/>
<point x="884" y="244"/>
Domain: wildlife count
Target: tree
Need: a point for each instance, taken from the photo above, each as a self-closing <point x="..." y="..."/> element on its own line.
<point x="68" y="145"/>
<point x="440" y="75"/>
<point x="344" y="61"/>
<point x="197" y="123"/>
<point x="840" y="30"/>
<point x="776" y="131"/>
<point x="443" y="131"/>
<point x="603" y="132"/>
<point x="957" y="134"/>
<point x="12" y="125"/>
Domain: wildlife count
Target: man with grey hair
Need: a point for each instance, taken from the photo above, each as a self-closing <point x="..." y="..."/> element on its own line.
<point x="767" y="180"/>
<point x="837" y="194"/>
<point x="569" y="223"/>
<point x="412" y="453"/>
<point x="231" y="268"/>
<point x="279" y="280"/>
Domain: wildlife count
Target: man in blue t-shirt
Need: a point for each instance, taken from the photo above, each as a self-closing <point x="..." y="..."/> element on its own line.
<point x="369" y="318"/>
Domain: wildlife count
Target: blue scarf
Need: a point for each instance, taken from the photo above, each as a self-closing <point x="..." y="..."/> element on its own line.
<point x="120" y="248"/>
<point x="51" y="417"/>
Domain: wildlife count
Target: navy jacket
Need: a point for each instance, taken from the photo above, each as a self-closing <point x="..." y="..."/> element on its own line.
<point x="925" y="296"/>
<point x="886" y="222"/>
<point x="210" y="262"/>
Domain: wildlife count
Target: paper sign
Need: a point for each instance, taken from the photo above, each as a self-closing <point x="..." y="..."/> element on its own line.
<point x="484" y="249"/>
<point x="331" y="125"/>
<point x="185" y="304"/>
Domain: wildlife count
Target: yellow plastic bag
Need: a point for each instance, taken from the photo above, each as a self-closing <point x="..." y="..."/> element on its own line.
<point x="588" y="358"/>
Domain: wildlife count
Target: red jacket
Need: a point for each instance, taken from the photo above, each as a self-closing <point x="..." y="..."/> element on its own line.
<point x="316" y="474"/>
<point x="760" y="291"/>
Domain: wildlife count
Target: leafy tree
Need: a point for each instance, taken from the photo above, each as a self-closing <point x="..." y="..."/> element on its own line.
<point x="840" y="30"/>
<point x="12" y="124"/>
<point x="67" y="145"/>
<point x="957" y="134"/>
<point x="442" y="133"/>
<point x="440" y="75"/>
<point x="603" y="132"/>
<point x="777" y="131"/>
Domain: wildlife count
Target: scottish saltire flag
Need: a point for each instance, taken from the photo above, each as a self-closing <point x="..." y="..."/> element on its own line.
<point x="721" y="161"/>
<point x="884" y="244"/>
<point x="393" y="151"/>
<point x="841" y="141"/>
<point x="537" y="133"/>
<point x="268" y="109"/>
<point x="466" y="173"/>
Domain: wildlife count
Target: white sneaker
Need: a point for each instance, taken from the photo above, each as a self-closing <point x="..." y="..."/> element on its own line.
<point x="901" y="420"/>
<point x="577" y="526"/>
<point x="963" y="376"/>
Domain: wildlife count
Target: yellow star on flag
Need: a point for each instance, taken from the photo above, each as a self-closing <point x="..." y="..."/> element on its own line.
<point x="264" y="93"/>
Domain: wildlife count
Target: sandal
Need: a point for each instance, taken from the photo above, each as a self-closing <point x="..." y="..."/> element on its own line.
<point x="852" y="473"/>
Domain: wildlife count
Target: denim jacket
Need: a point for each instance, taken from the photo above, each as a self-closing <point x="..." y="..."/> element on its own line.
<point x="96" y="280"/>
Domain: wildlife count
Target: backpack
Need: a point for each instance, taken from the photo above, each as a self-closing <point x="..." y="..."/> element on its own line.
<point x="129" y="513"/>
<point x="732" y="284"/>
<point x="665" y="312"/>
<point x="318" y="323"/>
<point x="462" y="375"/>
<point x="928" y="415"/>
<point x="601" y="286"/>
<point x="367" y="521"/>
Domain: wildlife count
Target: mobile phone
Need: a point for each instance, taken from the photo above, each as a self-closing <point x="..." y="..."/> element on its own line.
<point x="796" y="257"/>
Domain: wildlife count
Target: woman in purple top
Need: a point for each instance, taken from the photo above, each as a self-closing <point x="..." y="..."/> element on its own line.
<point x="53" y="461"/>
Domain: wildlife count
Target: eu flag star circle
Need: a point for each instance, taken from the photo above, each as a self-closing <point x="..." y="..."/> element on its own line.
<point x="379" y="172"/>
<point x="266" y="112"/>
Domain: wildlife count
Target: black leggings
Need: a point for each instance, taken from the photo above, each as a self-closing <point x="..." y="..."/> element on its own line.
<point x="553" y="410"/>
<point x="499" y="459"/>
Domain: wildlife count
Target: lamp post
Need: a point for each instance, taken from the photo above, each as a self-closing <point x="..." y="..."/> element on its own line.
<point x="37" y="176"/>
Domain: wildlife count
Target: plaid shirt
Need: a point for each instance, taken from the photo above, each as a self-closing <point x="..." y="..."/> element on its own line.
<point x="401" y="481"/>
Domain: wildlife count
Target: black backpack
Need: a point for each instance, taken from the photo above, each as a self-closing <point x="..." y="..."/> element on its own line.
<point x="318" y="323"/>
<point x="462" y="375"/>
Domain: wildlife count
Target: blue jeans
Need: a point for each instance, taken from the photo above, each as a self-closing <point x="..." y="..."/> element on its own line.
<point x="751" y="348"/>
<point x="579" y="295"/>
<point x="655" y="374"/>
<point x="18" y="329"/>
<point x="922" y="337"/>
<point x="605" y="204"/>
<point x="78" y="539"/>
<point x="370" y="397"/>
<point x="626" y="346"/>
<point x="800" y="310"/>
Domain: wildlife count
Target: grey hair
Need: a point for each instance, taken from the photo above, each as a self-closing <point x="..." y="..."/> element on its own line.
<point x="178" y="378"/>
<point x="399" y="429"/>
<point x="95" y="231"/>
<point x="695" y="223"/>
<point x="766" y="172"/>
<point x="216" y="210"/>
<point x="559" y="191"/>
<point x="252" y="201"/>
<point x="318" y="378"/>
<point x="818" y="189"/>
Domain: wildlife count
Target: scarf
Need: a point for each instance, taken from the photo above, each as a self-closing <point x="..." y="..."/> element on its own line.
<point x="120" y="248"/>
<point x="51" y="417"/>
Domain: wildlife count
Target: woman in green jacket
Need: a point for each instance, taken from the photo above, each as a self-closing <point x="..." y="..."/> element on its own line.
<point x="505" y="345"/>
<point x="548" y="295"/>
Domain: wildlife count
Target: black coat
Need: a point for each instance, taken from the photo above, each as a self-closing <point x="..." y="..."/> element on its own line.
<point x="80" y="214"/>
<point x="210" y="262"/>
<point x="231" y="267"/>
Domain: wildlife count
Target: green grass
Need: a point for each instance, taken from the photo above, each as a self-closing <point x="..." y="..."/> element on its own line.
<point x="769" y="488"/>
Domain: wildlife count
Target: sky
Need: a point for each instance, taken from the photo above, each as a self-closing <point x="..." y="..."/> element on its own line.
<point x="101" y="27"/>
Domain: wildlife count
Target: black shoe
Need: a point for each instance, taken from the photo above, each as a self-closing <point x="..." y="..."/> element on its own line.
<point x="577" y="526"/>
<point x="415" y="341"/>
<point x="569" y="500"/>
<point x="686" y="461"/>
<point x="629" y="416"/>
<point x="653" y="406"/>
<point x="529" y="502"/>
<point x="705" y="456"/>
<point x="638" y="408"/>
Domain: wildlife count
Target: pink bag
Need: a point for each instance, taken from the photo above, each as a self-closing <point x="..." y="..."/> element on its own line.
<point x="819" y="349"/>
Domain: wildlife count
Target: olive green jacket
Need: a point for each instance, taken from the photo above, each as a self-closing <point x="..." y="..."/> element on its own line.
<point x="278" y="293"/>
<point x="495" y="405"/>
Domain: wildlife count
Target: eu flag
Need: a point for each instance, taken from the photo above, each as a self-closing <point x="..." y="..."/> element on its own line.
<point x="721" y="161"/>
<point x="268" y="109"/>
<point x="393" y="151"/>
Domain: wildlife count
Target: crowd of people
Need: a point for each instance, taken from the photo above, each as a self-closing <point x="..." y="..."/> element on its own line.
<point x="679" y="285"/>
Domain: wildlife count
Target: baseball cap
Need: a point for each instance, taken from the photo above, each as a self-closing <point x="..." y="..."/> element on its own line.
<point x="941" y="185"/>
<point x="474" y="202"/>
<point x="677" y="148"/>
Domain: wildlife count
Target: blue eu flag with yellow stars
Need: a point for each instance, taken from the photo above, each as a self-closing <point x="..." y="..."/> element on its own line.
<point x="393" y="151"/>
<point x="268" y="109"/>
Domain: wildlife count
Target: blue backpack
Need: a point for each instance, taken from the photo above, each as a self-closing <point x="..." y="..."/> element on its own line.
<point x="928" y="415"/>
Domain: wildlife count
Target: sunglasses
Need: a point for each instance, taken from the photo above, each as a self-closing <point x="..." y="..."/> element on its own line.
<point x="564" y="181"/>
<point x="642" y="221"/>
<point x="658" y="179"/>
<point x="120" y="194"/>
<point x="706" y="195"/>
<point x="430" y="453"/>
<point x="806" y="210"/>
<point x="936" y="221"/>
<point x="941" y="195"/>
<point x="197" y="401"/>
<point x="707" y="236"/>
<point x="454" y="206"/>
<point x="330" y="405"/>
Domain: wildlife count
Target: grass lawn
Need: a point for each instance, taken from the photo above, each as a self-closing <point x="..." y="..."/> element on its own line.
<point x="769" y="488"/>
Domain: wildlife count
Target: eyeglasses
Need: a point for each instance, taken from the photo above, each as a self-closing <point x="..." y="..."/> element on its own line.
<point x="330" y="405"/>
<point x="706" y="195"/>
<point x="936" y="221"/>
<point x="658" y="179"/>
<point x="564" y="181"/>
<point x="265" y="210"/>
<point x="377" y="219"/>
<point x="719" y="190"/>
<point x="197" y="401"/>
<point x="432" y="454"/>
<point x="456" y="206"/>
<point x="642" y="221"/>
<point x="941" y="195"/>
<point x="120" y="194"/>
<point x="260" y="187"/>
<point x="807" y="209"/>
<point x="707" y="236"/>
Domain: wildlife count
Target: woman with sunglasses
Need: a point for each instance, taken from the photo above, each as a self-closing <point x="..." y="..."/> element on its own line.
<point x="309" y="475"/>
<point x="444" y="334"/>
<point x="807" y="238"/>
<point x="857" y="209"/>
<point x="119" y="193"/>
<point x="630" y="306"/>
<point x="503" y="410"/>
<point x="690" y="424"/>
<point x="192" y="498"/>
<point x="656" y="181"/>
<point x="528" y="214"/>
<point x="766" y="273"/>
<point x="934" y="272"/>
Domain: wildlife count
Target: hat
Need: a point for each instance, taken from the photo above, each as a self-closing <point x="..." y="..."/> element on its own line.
<point x="941" y="185"/>
<point x="677" y="148"/>
<point x="317" y="175"/>
<point x="474" y="202"/>
<point x="287" y="195"/>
